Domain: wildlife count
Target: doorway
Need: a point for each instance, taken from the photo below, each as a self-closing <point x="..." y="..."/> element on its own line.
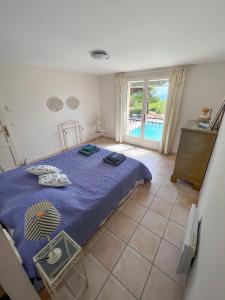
<point x="145" y="110"/>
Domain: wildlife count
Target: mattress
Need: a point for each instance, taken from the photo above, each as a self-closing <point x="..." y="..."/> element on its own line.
<point x="96" y="190"/>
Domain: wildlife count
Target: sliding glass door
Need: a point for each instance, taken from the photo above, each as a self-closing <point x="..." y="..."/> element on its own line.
<point x="146" y="104"/>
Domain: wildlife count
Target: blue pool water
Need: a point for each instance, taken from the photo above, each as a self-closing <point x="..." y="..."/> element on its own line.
<point x="152" y="131"/>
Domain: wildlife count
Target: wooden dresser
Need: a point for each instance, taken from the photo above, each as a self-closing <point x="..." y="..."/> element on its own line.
<point x="194" y="151"/>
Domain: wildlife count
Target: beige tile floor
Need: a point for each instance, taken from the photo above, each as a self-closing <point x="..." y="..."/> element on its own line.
<point x="134" y="255"/>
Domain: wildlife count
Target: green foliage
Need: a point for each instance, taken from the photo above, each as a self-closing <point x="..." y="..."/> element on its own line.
<point x="136" y="99"/>
<point x="135" y="111"/>
<point x="158" y="107"/>
<point x="154" y="102"/>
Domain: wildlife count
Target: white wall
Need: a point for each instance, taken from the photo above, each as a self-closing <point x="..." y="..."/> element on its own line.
<point x="26" y="90"/>
<point x="204" y="86"/>
<point x="207" y="279"/>
<point x="107" y="95"/>
<point x="13" y="278"/>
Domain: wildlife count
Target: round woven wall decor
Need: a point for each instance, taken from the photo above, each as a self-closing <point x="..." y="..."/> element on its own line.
<point x="54" y="104"/>
<point x="72" y="102"/>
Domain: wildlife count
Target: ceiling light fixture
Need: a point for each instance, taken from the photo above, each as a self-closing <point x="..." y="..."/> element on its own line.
<point x="99" y="54"/>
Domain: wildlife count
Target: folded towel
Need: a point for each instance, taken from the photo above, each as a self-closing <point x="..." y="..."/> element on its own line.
<point x="88" y="153"/>
<point x="115" y="156"/>
<point x="114" y="163"/>
<point x="89" y="148"/>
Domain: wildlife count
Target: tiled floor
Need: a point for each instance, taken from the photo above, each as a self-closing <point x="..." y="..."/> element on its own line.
<point x="134" y="255"/>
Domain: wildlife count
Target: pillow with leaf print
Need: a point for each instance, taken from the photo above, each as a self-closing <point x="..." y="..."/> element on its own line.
<point x="54" y="179"/>
<point x="43" y="169"/>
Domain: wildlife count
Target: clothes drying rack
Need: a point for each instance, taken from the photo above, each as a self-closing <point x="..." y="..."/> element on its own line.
<point x="73" y="127"/>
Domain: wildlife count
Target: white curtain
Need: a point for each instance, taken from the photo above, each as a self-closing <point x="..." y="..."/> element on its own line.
<point x="176" y="83"/>
<point x="121" y="95"/>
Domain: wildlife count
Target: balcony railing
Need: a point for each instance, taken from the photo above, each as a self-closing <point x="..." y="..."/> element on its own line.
<point x="153" y="127"/>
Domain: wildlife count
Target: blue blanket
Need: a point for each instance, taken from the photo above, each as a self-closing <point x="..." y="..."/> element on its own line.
<point x="96" y="190"/>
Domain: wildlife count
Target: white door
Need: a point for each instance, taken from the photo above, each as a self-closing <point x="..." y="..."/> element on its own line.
<point x="8" y="155"/>
<point x="146" y="104"/>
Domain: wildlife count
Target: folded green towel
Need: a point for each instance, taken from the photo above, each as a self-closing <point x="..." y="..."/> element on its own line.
<point x="89" y="148"/>
<point x="85" y="151"/>
<point x="88" y="153"/>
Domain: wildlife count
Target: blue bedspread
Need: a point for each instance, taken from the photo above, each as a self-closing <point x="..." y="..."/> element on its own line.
<point x="96" y="190"/>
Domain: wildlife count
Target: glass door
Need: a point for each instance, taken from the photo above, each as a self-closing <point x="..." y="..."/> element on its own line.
<point x="146" y="104"/>
<point x="135" y="106"/>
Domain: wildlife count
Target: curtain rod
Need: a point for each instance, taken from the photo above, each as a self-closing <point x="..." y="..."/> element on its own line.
<point x="152" y="70"/>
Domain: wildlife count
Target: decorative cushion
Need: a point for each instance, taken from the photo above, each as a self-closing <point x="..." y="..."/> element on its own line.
<point x="54" y="179"/>
<point x="42" y="169"/>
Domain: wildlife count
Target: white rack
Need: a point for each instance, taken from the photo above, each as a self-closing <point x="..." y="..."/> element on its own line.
<point x="74" y="129"/>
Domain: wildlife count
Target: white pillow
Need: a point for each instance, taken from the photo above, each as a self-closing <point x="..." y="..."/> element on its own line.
<point x="54" y="179"/>
<point x="42" y="169"/>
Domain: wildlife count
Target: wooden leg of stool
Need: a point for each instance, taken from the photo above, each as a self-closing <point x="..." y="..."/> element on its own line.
<point x="196" y="187"/>
<point x="173" y="178"/>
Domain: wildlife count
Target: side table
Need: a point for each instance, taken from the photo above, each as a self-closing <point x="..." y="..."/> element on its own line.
<point x="70" y="267"/>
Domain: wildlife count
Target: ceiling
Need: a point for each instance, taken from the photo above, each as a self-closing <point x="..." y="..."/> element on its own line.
<point x="139" y="34"/>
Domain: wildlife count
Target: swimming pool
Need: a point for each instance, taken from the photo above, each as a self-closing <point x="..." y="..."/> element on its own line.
<point x="152" y="131"/>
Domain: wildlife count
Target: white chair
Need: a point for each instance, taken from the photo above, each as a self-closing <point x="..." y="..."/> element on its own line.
<point x="100" y="127"/>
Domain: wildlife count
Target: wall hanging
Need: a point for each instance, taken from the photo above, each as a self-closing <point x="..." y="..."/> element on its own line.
<point x="72" y="102"/>
<point x="54" y="104"/>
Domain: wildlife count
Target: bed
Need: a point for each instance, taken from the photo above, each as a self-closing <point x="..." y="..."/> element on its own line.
<point x="96" y="190"/>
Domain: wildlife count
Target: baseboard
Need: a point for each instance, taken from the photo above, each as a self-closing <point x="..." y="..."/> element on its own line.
<point x="92" y="140"/>
<point x="110" y="135"/>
